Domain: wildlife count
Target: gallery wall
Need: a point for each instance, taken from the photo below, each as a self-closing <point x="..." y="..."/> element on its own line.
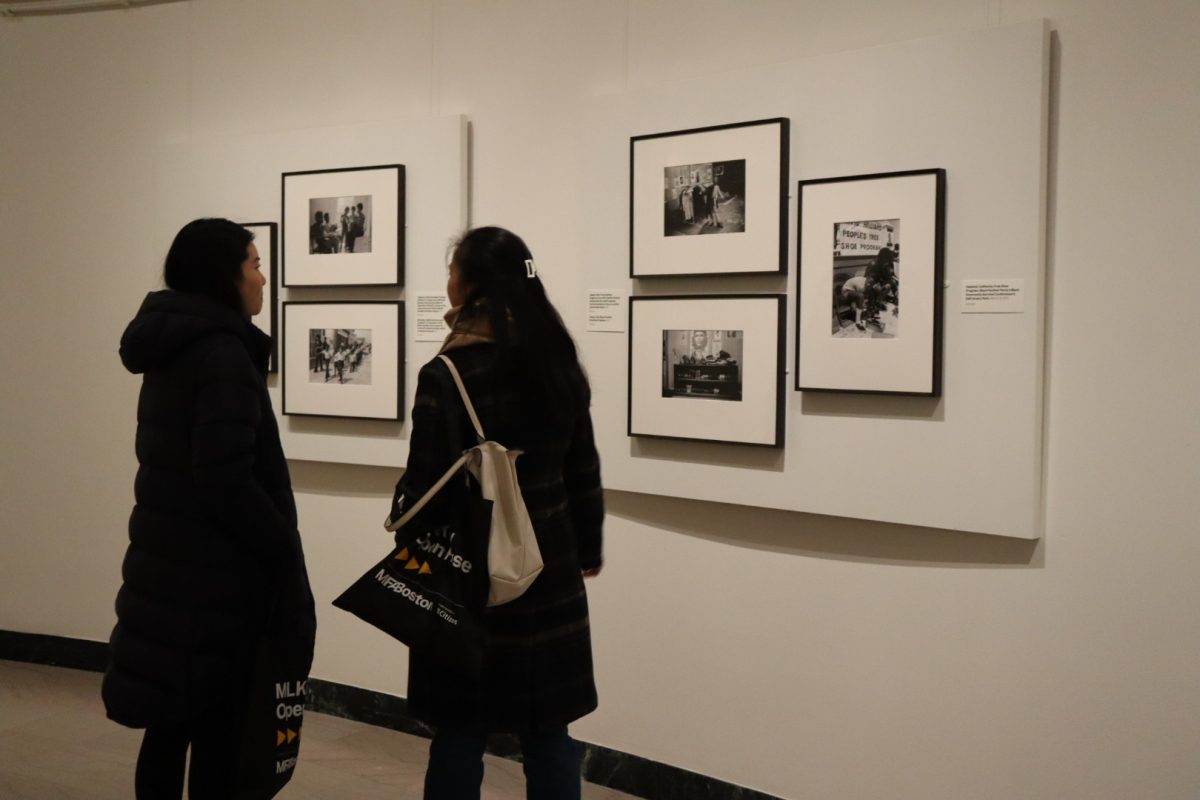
<point x="801" y="655"/>
<point x="971" y="103"/>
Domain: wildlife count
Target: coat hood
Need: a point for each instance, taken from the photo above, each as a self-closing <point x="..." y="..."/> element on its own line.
<point x="169" y="322"/>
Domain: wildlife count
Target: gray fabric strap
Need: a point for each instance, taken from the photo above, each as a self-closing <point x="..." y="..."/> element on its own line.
<point x="454" y="468"/>
<point x="462" y="390"/>
<point x="425" y="498"/>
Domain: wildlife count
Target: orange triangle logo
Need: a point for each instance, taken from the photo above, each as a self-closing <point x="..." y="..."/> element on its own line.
<point x="402" y="555"/>
<point x="292" y="736"/>
<point x="279" y="737"/>
<point x="412" y="564"/>
<point x="425" y="570"/>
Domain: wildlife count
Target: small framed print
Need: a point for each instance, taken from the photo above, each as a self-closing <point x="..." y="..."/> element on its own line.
<point x="266" y="238"/>
<point x="344" y="227"/>
<point x="344" y="359"/>
<point x="869" y="299"/>
<point x="707" y="368"/>
<point x="709" y="201"/>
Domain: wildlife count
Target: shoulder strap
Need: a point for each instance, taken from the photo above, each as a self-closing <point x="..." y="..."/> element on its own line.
<point x="454" y="468"/>
<point x="425" y="498"/>
<point x="466" y="398"/>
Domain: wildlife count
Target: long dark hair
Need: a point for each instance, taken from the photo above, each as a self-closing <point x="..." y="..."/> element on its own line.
<point x="206" y="259"/>
<point x="533" y="346"/>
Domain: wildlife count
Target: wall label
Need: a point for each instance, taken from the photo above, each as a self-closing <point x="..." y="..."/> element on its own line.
<point x="607" y="311"/>
<point x="431" y="307"/>
<point x="993" y="296"/>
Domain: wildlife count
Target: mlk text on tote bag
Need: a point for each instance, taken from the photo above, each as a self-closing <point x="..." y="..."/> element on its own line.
<point x="270" y="745"/>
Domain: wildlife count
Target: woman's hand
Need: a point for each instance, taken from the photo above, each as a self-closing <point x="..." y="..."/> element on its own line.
<point x="593" y="572"/>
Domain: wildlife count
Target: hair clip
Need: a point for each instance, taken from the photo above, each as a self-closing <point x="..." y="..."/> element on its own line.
<point x="530" y="268"/>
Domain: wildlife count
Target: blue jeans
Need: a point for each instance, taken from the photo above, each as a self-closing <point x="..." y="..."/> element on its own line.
<point x="456" y="766"/>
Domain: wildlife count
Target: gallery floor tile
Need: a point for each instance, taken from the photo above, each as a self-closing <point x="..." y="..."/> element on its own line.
<point x="55" y="742"/>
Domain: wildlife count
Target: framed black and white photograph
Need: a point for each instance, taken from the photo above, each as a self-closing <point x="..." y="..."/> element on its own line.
<point x="344" y="227"/>
<point x="703" y="364"/>
<point x="869" y="301"/>
<point x="340" y="355"/>
<point x="709" y="201"/>
<point x="266" y="240"/>
<point x="707" y="368"/>
<point x="344" y="359"/>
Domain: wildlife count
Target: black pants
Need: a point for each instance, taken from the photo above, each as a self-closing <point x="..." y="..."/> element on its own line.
<point x="214" y="743"/>
<point x="455" y="769"/>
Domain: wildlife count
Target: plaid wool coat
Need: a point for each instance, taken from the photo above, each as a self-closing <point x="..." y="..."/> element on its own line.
<point x="538" y="662"/>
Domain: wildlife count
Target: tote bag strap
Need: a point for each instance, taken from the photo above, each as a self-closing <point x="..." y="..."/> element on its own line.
<point x="466" y="398"/>
<point x="425" y="498"/>
<point x="454" y="468"/>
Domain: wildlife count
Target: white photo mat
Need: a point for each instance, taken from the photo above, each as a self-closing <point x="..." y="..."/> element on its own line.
<point x="383" y="266"/>
<point x="757" y="248"/>
<point x="265" y="239"/>
<point x="381" y="399"/>
<point x="902" y="365"/>
<point x="755" y="419"/>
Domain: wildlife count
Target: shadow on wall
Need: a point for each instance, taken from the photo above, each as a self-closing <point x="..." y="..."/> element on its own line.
<point x="820" y="536"/>
<point x="787" y="532"/>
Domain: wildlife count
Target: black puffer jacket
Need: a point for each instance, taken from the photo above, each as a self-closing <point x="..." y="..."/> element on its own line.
<point x="213" y="533"/>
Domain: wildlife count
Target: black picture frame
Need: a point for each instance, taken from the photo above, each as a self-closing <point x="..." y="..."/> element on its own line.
<point x="390" y="396"/>
<point x="383" y="268"/>
<point x="769" y="390"/>
<point x="821" y="363"/>
<point x="271" y="293"/>
<point x="650" y="210"/>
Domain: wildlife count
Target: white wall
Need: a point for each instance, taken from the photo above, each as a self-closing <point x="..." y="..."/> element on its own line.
<point x="803" y="656"/>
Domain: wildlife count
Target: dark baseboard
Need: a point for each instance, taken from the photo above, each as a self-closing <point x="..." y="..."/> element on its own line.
<point x="55" y="651"/>
<point x="601" y="765"/>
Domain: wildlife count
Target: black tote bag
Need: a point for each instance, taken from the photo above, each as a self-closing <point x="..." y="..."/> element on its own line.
<point x="431" y="589"/>
<point x="274" y="714"/>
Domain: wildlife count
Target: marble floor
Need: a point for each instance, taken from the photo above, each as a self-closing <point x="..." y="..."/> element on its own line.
<point x="55" y="743"/>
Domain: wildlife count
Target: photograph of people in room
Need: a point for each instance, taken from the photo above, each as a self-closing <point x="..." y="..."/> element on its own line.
<point x="703" y="364"/>
<point x="339" y="224"/>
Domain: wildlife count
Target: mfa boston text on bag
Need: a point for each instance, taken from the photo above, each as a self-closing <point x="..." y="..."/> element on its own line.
<point x="429" y="591"/>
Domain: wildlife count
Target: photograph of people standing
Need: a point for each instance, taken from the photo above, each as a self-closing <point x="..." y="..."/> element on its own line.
<point x="339" y="355"/>
<point x="341" y="225"/>
<point x="705" y="198"/>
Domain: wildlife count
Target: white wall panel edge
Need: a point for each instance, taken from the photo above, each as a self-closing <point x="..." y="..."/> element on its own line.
<point x="1039" y="307"/>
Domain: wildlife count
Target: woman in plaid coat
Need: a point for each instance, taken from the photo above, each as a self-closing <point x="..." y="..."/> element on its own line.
<point x="522" y="373"/>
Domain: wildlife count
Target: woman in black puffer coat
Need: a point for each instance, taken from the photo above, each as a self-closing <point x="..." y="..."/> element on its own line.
<point x="213" y="536"/>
